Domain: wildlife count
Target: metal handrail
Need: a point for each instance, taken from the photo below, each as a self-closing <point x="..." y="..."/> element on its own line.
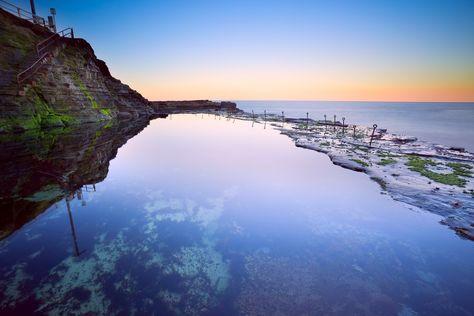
<point x="7" y="6"/>
<point x="26" y="15"/>
<point x="28" y="72"/>
<point x="41" y="46"/>
<point x="67" y="32"/>
<point x="44" y="44"/>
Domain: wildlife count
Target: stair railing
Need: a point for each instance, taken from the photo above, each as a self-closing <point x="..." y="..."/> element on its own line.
<point x="42" y="46"/>
<point x="67" y="32"/>
<point x="43" y="54"/>
<point x="21" y="13"/>
<point x="30" y="71"/>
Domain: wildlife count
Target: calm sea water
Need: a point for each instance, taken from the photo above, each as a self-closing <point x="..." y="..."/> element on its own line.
<point x="200" y="215"/>
<point x="450" y="124"/>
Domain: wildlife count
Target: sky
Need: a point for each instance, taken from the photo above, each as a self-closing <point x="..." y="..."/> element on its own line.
<point x="398" y="50"/>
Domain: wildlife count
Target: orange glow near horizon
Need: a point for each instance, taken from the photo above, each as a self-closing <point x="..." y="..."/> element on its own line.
<point x="286" y="85"/>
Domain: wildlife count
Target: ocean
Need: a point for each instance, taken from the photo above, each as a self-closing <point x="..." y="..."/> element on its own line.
<point x="446" y="123"/>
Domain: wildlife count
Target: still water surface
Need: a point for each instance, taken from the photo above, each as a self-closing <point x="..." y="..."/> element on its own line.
<point x="200" y="215"/>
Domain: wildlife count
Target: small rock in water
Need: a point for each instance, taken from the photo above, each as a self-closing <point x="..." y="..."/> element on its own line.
<point x="460" y="149"/>
<point x="456" y="204"/>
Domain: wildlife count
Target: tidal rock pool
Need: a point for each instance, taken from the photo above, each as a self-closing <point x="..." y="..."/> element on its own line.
<point x="200" y="214"/>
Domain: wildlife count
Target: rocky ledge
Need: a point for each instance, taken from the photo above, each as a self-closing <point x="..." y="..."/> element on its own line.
<point x="167" y="107"/>
<point x="432" y="177"/>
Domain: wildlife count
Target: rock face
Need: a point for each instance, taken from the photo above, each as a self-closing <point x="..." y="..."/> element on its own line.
<point x="40" y="169"/>
<point x="193" y="105"/>
<point x="71" y="87"/>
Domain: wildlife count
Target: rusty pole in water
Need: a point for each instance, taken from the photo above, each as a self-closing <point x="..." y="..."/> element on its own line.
<point x="372" y="136"/>
<point x="73" y="230"/>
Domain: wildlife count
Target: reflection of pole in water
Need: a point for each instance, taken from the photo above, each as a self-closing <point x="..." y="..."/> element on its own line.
<point x="73" y="230"/>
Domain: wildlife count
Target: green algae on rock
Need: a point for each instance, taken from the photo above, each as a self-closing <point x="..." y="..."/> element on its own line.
<point x="459" y="170"/>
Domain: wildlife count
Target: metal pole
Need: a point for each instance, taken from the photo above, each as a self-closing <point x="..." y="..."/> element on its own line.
<point x="33" y="9"/>
<point x="372" y="136"/>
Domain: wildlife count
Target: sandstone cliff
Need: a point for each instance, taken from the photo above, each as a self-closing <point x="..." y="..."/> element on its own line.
<point x="72" y="86"/>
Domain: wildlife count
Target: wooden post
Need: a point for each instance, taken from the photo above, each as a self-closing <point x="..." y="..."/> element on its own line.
<point x="334" y="122"/>
<point x="354" y="127"/>
<point x="372" y="136"/>
<point x="265" y="115"/>
<point x="307" y="119"/>
<point x="343" y="120"/>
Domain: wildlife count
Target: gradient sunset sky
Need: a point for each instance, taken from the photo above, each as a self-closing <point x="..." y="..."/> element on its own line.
<point x="399" y="50"/>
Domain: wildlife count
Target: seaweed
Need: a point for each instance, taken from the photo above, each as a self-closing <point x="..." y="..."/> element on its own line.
<point x="360" y="162"/>
<point x="388" y="161"/>
<point x="420" y="165"/>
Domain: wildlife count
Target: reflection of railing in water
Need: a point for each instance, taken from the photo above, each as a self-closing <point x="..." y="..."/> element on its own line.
<point x="80" y="197"/>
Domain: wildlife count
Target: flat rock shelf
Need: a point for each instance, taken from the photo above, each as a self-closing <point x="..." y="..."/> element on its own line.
<point x="433" y="177"/>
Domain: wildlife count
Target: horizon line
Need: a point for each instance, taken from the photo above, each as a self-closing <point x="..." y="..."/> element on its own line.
<point x="312" y="100"/>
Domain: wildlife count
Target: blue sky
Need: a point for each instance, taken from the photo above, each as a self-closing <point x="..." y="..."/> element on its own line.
<point x="371" y="50"/>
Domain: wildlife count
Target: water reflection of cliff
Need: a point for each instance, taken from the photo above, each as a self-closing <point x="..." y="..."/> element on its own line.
<point x="38" y="169"/>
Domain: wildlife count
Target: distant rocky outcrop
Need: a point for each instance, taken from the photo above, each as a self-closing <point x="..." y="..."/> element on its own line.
<point x="193" y="105"/>
<point x="73" y="86"/>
